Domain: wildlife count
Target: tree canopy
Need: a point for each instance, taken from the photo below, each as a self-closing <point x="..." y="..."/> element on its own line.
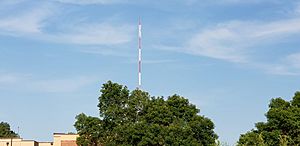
<point x="136" y="119"/>
<point x="5" y="131"/>
<point x="282" y="126"/>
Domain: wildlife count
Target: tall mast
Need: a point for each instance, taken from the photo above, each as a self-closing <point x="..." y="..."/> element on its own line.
<point x="140" y="54"/>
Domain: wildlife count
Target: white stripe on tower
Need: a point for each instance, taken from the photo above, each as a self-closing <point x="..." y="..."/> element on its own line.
<point x="140" y="54"/>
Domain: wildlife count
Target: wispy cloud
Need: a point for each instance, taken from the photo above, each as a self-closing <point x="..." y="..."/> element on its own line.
<point x="296" y="10"/>
<point x="282" y="68"/>
<point x="235" y="41"/>
<point x="154" y="61"/>
<point x="8" y="79"/>
<point x="221" y="43"/>
<point x="240" y="1"/>
<point x="10" y="2"/>
<point x="107" y="51"/>
<point x="294" y="60"/>
<point x="244" y="1"/>
<point x="27" y="82"/>
<point x="231" y="41"/>
<point x="229" y="2"/>
<point x="87" y="2"/>
<point x="94" y="34"/>
<point x="33" y="24"/>
<point x="61" y="85"/>
<point x="25" y="22"/>
<point x="158" y="61"/>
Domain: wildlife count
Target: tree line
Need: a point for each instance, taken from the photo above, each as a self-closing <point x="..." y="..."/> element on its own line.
<point x="282" y="127"/>
<point x="134" y="118"/>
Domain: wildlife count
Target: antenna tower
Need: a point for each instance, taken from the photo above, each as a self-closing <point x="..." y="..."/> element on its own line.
<point x="140" y="54"/>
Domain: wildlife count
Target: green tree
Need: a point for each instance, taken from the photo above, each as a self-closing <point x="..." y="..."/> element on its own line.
<point x="137" y="119"/>
<point x="282" y="127"/>
<point x="5" y="131"/>
<point x="90" y="129"/>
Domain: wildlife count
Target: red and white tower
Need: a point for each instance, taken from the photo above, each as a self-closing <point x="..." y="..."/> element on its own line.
<point x="140" y="54"/>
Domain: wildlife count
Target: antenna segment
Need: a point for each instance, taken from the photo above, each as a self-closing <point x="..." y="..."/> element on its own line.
<point x="140" y="54"/>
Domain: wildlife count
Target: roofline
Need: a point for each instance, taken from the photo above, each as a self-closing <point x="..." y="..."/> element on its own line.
<point x="10" y="138"/>
<point x="65" y="134"/>
<point x="45" y="142"/>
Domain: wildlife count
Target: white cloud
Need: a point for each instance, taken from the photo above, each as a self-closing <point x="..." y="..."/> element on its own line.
<point x="286" y="65"/>
<point x="240" y="41"/>
<point x="33" y="24"/>
<point x="293" y="60"/>
<point x="9" y="3"/>
<point x="297" y="8"/>
<point x="61" y="85"/>
<point x="107" y="52"/>
<point x="239" y="1"/>
<point x="87" y="2"/>
<point x="96" y="34"/>
<point x="232" y="41"/>
<point x="158" y="61"/>
<point x="23" y="82"/>
<point x="277" y="29"/>
<point x="8" y="79"/>
<point x="223" y="2"/>
<point x="228" y="2"/>
<point x="153" y="61"/>
<point x="23" y="23"/>
<point x="243" y="1"/>
<point x="276" y="69"/>
<point x="220" y="43"/>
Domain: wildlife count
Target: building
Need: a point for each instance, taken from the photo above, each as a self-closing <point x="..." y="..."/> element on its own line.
<point x="62" y="139"/>
<point x="59" y="139"/>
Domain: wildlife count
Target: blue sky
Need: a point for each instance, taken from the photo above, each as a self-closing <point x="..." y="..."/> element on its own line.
<point x="229" y="57"/>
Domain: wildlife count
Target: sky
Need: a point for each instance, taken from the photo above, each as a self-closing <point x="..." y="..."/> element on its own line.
<point x="228" y="57"/>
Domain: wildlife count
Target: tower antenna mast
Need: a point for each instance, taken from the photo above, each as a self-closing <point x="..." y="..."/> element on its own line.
<point x="140" y="54"/>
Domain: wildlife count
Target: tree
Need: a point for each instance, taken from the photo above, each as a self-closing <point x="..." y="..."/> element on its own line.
<point x="6" y="132"/>
<point x="136" y="119"/>
<point x="90" y="129"/>
<point x="282" y="126"/>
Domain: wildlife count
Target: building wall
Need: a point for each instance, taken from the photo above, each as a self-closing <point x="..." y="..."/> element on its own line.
<point x="59" y="139"/>
<point x="68" y="143"/>
<point x="17" y="142"/>
<point x="45" y="143"/>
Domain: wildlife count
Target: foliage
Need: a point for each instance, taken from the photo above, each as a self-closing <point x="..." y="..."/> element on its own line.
<point x="137" y="119"/>
<point x="5" y="131"/>
<point x="282" y="126"/>
<point x="90" y="129"/>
